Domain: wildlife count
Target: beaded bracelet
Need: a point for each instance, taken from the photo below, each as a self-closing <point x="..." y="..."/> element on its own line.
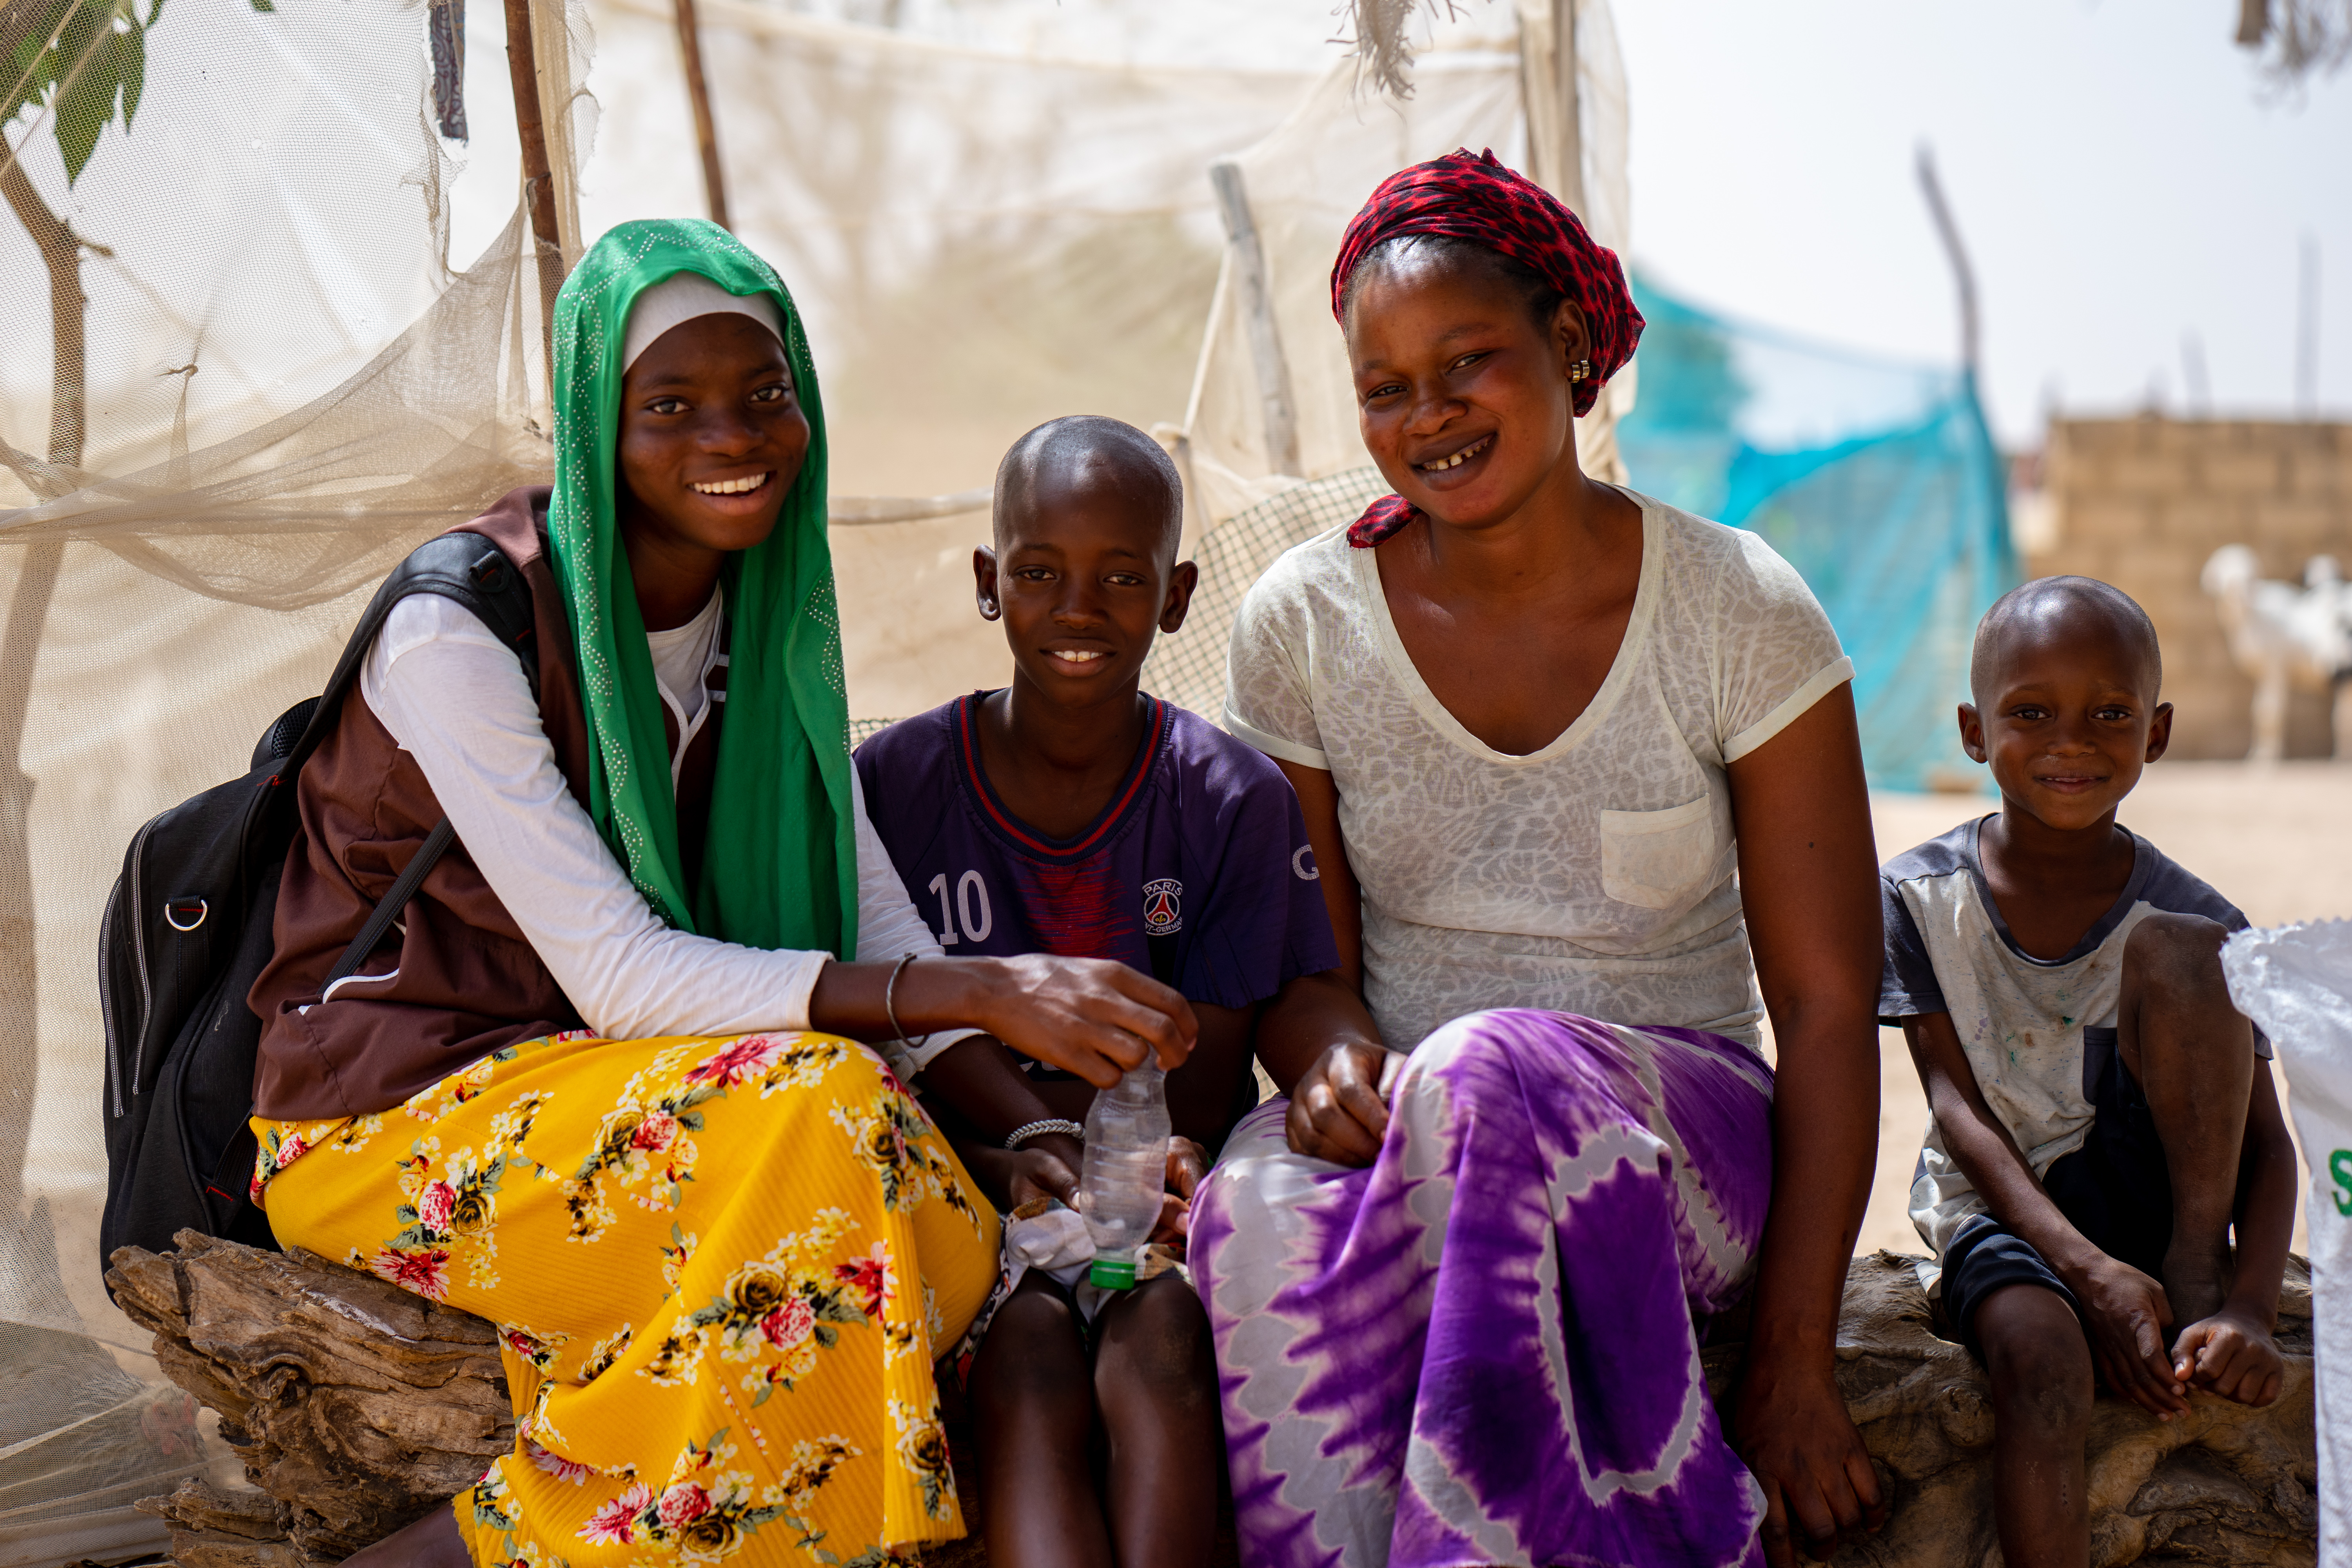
<point x="1028" y="1129"/>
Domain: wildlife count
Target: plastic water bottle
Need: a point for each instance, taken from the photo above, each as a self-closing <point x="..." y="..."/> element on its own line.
<point x="1125" y="1171"/>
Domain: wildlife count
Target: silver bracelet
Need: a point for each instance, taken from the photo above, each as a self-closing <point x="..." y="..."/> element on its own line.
<point x="890" y="997"/>
<point x="1028" y="1129"/>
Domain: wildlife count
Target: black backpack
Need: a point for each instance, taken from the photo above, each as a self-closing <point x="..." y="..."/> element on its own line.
<point x="187" y="930"/>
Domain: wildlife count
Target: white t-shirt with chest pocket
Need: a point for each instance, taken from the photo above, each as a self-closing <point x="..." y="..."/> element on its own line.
<point x="1595" y="876"/>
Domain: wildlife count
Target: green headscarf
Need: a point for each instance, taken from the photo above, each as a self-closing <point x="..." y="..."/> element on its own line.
<point x="781" y="869"/>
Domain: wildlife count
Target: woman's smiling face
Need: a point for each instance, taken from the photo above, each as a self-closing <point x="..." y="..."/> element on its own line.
<point x="712" y="435"/>
<point x="1462" y="396"/>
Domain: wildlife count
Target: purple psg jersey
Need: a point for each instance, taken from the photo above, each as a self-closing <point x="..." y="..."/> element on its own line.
<point x="1198" y="872"/>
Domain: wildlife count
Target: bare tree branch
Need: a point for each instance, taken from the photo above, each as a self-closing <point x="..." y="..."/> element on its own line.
<point x="2298" y="39"/>
<point x="1383" y="51"/>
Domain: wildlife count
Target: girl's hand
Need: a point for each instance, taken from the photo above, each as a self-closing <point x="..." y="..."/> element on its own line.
<point x="1094" y="1016"/>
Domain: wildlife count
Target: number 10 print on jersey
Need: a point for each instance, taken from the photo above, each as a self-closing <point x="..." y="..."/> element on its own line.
<point x="970" y="901"/>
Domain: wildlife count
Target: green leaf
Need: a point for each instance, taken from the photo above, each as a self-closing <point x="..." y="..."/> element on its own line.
<point x="85" y="100"/>
<point x="130" y="66"/>
<point x="25" y="31"/>
<point x="96" y="70"/>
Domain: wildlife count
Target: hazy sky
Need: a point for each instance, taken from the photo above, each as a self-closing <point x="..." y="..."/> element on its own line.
<point x="2121" y="175"/>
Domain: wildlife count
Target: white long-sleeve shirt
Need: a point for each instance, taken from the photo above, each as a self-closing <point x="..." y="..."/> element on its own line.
<point x="459" y="702"/>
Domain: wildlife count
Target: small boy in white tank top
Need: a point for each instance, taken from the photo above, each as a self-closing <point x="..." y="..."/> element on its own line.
<point x="2105" y="1120"/>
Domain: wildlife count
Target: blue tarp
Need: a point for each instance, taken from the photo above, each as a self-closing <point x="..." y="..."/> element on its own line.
<point x="1878" y="480"/>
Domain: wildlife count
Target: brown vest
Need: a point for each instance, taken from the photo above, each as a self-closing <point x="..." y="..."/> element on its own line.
<point x="466" y="981"/>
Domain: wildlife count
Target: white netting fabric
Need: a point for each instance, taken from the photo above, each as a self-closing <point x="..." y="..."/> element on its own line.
<point x="978" y="241"/>
<point x="286" y="387"/>
<point x="288" y="384"/>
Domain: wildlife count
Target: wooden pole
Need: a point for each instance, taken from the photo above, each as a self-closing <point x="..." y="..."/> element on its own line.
<point x="1548" y="98"/>
<point x="538" y="175"/>
<point x="706" y="128"/>
<point x="1249" y="277"/>
<point x="1570" y="152"/>
<point x="1964" y="277"/>
<point x="37" y="568"/>
<point x="2306" y="329"/>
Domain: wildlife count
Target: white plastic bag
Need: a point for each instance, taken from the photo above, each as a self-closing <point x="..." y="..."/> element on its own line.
<point x="2296" y="981"/>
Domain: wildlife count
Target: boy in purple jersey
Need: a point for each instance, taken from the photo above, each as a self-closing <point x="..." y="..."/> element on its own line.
<point x="1071" y="813"/>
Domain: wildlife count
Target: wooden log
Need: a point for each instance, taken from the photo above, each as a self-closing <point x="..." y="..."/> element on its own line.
<point x="215" y="1529"/>
<point x="354" y="1405"/>
<point x="357" y="1406"/>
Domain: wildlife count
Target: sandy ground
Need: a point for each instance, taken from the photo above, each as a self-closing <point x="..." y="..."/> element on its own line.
<point x="2276" y="841"/>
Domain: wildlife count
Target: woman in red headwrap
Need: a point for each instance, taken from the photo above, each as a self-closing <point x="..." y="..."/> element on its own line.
<point x="1579" y="771"/>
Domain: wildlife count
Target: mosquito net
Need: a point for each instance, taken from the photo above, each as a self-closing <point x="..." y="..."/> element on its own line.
<point x="238" y="379"/>
<point x="1876" y="479"/>
<point x="241" y="375"/>
<point x="978" y="241"/>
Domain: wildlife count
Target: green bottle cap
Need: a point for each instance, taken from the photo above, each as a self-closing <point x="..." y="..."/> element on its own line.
<point x="1112" y="1272"/>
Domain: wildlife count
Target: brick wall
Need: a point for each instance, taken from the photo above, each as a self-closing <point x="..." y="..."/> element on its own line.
<point x="2142" y="502"/>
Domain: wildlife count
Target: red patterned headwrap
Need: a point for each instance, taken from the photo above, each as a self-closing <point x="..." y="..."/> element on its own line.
<point x="1476" y="199"/>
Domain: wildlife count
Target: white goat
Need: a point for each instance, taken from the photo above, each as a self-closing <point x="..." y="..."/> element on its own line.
<point x="2286" y="637"/>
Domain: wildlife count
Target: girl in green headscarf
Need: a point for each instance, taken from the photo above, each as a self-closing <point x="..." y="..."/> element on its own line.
<point x="600" y="1086"/>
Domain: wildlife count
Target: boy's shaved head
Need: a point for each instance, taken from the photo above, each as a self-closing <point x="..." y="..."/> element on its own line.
<point x="1091" y="452"/>
<point x="2053" y="609"/>
<point x="1084" y="571"/>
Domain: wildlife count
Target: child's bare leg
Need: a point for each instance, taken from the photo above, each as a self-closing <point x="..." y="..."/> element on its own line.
<point x="1035" y="1407"/>
<point x="2040" y="1366"/>
<point x="1156" y="1382"/>
<point x="2193" y="1054"/>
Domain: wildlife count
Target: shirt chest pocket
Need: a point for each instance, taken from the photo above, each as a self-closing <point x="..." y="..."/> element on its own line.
<point x="1657" y="859"/>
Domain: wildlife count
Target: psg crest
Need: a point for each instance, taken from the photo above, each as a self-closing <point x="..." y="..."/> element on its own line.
<point x="1163" y="909"/>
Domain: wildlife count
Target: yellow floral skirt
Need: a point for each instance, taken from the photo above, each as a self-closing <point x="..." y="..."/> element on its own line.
<point x="719" y="1271"/>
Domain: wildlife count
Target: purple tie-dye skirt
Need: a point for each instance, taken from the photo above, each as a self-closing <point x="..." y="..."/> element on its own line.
<point x="1480" y="1350"/>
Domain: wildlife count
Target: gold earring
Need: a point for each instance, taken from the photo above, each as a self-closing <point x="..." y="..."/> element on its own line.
<point x="1581" y="371"/>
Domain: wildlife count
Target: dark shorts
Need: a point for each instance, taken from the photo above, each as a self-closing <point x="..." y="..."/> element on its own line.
<point x="2116" y="1189"/>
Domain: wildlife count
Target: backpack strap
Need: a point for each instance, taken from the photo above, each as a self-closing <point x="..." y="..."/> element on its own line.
<point x="476" y="573"/>
<point x="465" y="567"/>
<point x="387" y="910"/>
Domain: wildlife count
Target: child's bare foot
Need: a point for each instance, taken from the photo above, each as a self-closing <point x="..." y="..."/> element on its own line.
<point x="2231" y="1354"/>
<point x="433" y="1541"/>
<point x="2196" y="1280"/>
